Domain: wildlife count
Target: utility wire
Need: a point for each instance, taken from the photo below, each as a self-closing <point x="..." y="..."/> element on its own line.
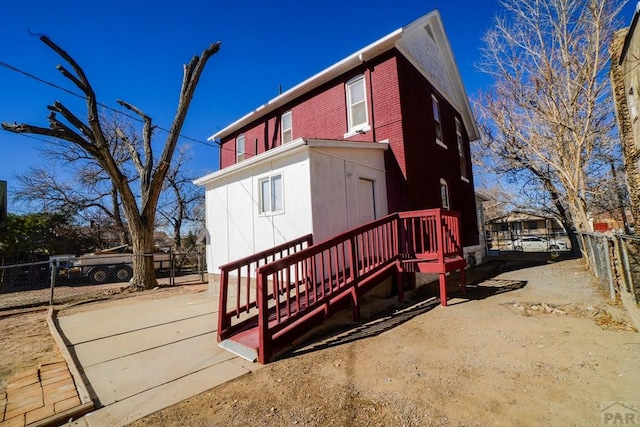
<point x="70" y="92"/>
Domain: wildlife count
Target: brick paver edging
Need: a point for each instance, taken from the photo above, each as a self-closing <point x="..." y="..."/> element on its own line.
<point x="48" y="395"/>
<point x="62" y="346"/>
<point x="42" y="396"/>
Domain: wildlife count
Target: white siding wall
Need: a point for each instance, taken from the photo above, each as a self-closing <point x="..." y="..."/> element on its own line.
<point x="235" y="227"/>
<point x="320" y="188"/>
<point x="334" y="188"/>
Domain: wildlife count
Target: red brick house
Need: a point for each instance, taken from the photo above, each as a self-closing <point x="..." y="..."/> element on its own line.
<point x="386" y="129"/>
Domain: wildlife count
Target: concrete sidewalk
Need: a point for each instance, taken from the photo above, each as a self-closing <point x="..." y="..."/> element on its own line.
<point x="141" y="356"/>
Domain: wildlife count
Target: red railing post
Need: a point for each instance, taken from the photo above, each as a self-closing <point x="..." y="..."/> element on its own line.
<point x="264" y="347"/>
<point x="441" y="249"/>
<point x="223" y="321"/>
<point x="354" y="257"/>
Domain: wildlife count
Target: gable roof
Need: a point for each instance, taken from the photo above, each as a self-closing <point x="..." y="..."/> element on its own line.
<point x="423" y="42"/>
<point x="629" y="34"/>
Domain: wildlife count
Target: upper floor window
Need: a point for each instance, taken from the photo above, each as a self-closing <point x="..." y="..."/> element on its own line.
<point x="444" y="193"/>
<point x="240" y="148"/>
<point x="437" y="121"/>
<point x="461" y="152"/>
<point x="271" y="194"/>
<point x="357" y="104"/>
<point x="287" y="129"/>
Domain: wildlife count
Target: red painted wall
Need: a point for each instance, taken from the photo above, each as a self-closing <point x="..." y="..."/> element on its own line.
<point x="399" y="103"/>
<point x="425" y="161"/>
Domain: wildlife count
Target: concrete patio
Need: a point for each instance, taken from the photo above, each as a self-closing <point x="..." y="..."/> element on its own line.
<point x="137" y="357"/>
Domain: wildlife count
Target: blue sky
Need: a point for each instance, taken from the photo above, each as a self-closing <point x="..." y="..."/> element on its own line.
<point x="134" y="50"/>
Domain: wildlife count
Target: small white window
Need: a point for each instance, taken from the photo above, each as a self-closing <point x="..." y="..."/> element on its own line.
<point x="461" y="152"/>
<point x="444" y="193"/>
<point x="437" y="121"/>
<point x="271" y="195"/>
<point x="287" y="132"/>
<point x="240" y="148"/>
<point x="357" y="104"/>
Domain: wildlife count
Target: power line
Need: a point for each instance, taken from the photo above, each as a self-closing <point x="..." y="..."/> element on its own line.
<point x="70" y="92"/>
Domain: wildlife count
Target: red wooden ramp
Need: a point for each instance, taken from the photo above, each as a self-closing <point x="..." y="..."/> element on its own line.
<point x="273" y="297"/>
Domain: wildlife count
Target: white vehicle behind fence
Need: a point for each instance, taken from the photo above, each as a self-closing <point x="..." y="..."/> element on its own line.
<point x="112" y="265"/>
<point x="536" y="244"/>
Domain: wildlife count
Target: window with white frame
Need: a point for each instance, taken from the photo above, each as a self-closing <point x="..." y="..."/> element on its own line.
<point x="461" y="152"/>
<point x="437" y="121"/>
<point x="271" y="194"/>
<point x="357" y="104"/>
<point x="444" y="193"/>
<point x="287" y="128"/>
<point x="240" y="148"/>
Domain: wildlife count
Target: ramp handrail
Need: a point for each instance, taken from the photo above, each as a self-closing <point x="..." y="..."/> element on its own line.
<point x="310" y="280"/>
<point x="298" y="280"/>
<point x="245" y="296"/>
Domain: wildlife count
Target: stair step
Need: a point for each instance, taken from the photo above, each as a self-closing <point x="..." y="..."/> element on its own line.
<point x="238" y="349"/>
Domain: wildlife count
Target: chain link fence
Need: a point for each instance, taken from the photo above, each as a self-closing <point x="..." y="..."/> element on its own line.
<point x="63" y="279"/>
<point x="628" y="249"/>
<point x="614" y="260"/>
<point x="519" y="241"/>
<point x="598" y="249"/>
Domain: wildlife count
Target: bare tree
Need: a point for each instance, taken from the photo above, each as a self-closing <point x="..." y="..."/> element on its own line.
<point x="83" y="189"/>
<point x="501" y="201"/>
<point x="547" y="120"/>
<point x="89" y="137"/>
<point x="180" y="197"/>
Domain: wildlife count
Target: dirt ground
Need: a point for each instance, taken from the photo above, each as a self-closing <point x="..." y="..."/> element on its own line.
<point x="25" y="339"/>
<point x="534" y="346"/>
<point x="531" y="346"/>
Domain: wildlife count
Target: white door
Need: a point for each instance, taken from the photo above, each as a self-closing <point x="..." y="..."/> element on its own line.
<point x="366" y="200"/>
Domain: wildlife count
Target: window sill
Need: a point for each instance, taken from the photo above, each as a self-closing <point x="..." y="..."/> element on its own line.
<point x="464" y="179"/>
<point x="269" y="214"/>
<point x="357" y="131"/>
<point x="441" y="144"/>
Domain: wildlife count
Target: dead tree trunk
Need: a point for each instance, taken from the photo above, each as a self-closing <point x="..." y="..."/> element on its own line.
<point x="89" y="136"/>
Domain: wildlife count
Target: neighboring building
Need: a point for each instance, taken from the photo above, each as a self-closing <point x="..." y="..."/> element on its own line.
<point x="507" y="228"/>
<point x="625" y="79"/>
<point x="386" y="129"/>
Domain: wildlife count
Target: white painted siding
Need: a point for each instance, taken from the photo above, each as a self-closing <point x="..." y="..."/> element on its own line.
<point x="235" y="227"/>
<point x="335" y="174"/>
<point x="320" y="189"/>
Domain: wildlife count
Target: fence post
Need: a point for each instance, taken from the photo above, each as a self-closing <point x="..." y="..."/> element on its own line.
<point x="591" y="256"/>
<point x="200" y="266"/>
<point x="52" y="266"/>
<point x="172" y="275"/>
<point x="631" y="287"/>
<point x="624" y="263"/>
<point x="608" y="261"/>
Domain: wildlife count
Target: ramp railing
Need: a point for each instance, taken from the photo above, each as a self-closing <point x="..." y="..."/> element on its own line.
<point x="239" y="277"/>
<point x="290" y="293"/>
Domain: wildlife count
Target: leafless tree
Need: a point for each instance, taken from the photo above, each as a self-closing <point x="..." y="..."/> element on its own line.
<point x="180" y="197"/>
<point x="72" y="181"/>
<point x="501" y="201"/>
<point x="90" y="139"/>
<point x="547" y="120"/>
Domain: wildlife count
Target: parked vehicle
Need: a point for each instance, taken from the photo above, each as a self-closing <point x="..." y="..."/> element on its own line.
<point x="536" y="244"/>
<point x="110" y="265"/>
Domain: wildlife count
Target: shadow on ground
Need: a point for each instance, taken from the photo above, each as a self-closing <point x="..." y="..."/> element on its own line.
<point x="376" y="326"/>
<point x="482" y="283"/>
